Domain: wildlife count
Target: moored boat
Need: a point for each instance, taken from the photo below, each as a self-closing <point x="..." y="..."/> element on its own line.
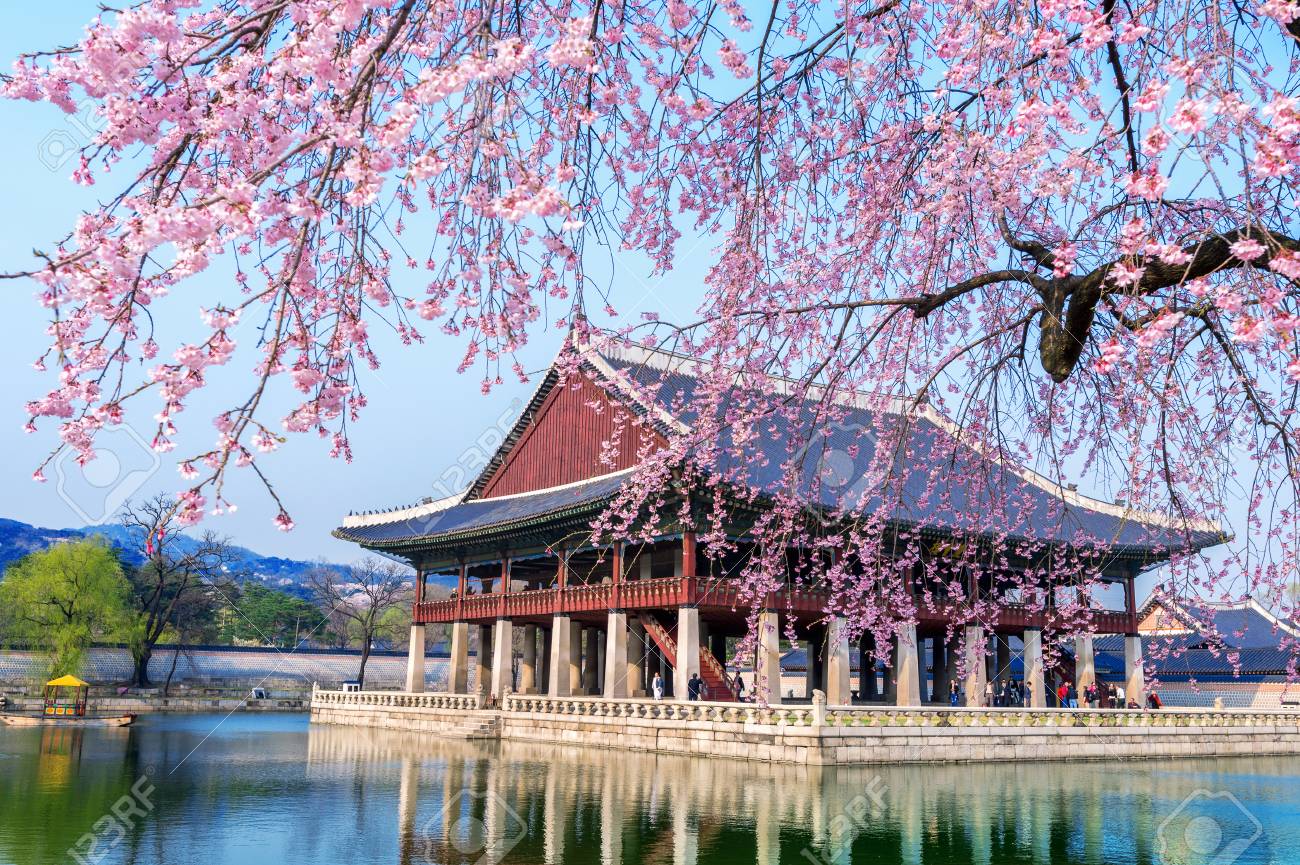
<point x="66" y="720"/>
<point x="66" y="700"/>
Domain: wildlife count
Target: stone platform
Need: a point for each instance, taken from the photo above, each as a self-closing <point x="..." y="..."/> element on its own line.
<point x="818" y="734"/>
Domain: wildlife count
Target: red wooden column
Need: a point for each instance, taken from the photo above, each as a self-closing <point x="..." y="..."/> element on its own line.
<point x="1130" y="604"/>
<point x="688" y="567"/>
<point x="504" y="589"/>
<point x="616" y="593"/>
<point x="419" y="585"/>
<point x="562" y="580"/>
<point x="462" y="584"/>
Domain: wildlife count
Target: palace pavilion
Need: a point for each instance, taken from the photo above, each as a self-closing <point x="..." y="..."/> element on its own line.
<point x="584" y="619"/>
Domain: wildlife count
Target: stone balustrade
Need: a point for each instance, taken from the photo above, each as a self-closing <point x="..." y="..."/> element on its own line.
<point x="396" y="699"/>
<point x="819" y="734"/>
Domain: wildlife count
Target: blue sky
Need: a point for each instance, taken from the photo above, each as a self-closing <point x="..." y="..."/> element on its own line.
<point x="423" y="418"/>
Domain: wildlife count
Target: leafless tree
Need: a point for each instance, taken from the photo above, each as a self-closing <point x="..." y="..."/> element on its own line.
<point x="361" y="595"/>
<point x="174" y="585"/>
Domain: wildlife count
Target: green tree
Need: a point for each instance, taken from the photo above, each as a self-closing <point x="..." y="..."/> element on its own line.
<point x="264" y="616"/>
<point x="60" y="600"/>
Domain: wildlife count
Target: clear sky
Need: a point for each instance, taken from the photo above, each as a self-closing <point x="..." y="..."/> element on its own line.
<point x="423" y="418"/>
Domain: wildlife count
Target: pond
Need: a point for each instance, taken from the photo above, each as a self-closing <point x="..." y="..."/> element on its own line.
<point x="252" y="788"/>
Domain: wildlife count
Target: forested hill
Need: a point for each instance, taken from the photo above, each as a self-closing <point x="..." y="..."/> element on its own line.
<point x="17" y="539"/>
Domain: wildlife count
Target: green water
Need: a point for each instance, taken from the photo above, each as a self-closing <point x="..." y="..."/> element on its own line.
<point x="272" y="788"/>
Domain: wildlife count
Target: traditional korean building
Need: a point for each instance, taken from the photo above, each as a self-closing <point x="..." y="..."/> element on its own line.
<point x="604" y="619"/>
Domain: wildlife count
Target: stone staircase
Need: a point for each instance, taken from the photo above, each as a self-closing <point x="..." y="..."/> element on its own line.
<point x="476" y="726"/>
<point x="712" y="672"/>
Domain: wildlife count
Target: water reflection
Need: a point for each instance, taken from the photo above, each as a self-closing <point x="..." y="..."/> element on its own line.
<point x="525" y="803"/>
<point x="253" y="789"/>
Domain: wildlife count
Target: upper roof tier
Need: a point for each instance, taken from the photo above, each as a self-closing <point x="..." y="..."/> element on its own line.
<point x="553" y="464"/>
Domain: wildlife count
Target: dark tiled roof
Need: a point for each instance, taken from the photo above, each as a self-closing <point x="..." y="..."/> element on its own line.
<point x="1205" y="663"/>
<point x="1007" y="502"/>
<point x="840" y="455"/>
<point x="481" y="514"/>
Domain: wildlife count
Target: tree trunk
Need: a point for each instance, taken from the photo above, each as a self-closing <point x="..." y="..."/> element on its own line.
<point x="365" y="656"/>
<point x="141" y="679"/>
<point x="176" y="653"/>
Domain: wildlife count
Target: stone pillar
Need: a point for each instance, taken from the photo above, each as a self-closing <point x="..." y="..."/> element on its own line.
<point x="891" y="674"/>
<point x="939" y="664"/>
<point x="1033" y="661"/>
<point x="544" y="661"/>
<point x="1085" y="667"/>
<point x="839" y="691"/>
<point x="575" y="659"/>
<point x="975" y="646"/>
<point x="616" y="670"/>
<point x="528" y="662"/>
<point x="600" y="661"/>
<point x="483" y="660"/>
<point x="559" y="684"/>
<point x="636" y="652"/>
<point x="1135" y="686"/>
<point x="908" y="665"/>
<point x="591" y="661"/>
<point x="502" y="658"/>
<point x="688" y="650"/>
<point x="415" y="660"/>
<point x="767" y="663"/>
<point x="458" y="664"/>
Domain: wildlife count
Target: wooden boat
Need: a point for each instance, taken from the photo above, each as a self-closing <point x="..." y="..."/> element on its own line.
<point x="66" y="720"/>
<point x="65" y="706"/>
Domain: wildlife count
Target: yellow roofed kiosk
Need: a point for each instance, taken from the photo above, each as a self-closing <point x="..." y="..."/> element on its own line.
<point x="66" y="696"/>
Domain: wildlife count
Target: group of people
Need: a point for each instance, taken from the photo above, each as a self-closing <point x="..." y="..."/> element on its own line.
<point x="1012" y="693"/>
<point x="1002" y="693"/>
<point x="697" y="689"/>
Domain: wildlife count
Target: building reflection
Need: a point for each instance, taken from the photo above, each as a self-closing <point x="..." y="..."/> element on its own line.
<point x="516" y="802"/>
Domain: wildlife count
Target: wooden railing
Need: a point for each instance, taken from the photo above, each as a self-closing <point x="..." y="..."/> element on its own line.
<point x="671" y="592"/>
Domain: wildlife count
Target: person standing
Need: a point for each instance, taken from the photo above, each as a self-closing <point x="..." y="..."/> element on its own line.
<point x="738" y="688"/>
<point x="954" y="694"/>
<point x="693" y="687"/>
<point x="988" y="693"/>
<point x="657" y="687"/>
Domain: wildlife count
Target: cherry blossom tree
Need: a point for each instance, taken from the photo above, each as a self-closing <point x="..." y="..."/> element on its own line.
<point x="1068" y="226"/>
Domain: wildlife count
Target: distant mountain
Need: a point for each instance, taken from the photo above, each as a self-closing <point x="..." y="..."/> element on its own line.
<point x="17" y="539"/>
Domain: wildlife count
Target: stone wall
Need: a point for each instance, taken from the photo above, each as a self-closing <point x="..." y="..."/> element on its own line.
<point x="820" y="735"/>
